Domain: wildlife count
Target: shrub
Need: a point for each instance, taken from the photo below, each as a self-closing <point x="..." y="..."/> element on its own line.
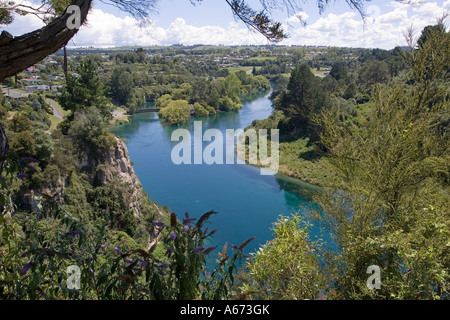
<point x="286" y="267"/>
<point x="176" y="112"/>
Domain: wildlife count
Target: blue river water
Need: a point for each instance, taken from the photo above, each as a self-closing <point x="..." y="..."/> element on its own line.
<point x="247" y="202"/>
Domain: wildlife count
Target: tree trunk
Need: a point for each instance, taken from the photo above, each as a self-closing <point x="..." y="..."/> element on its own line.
<point x="19" y="53"/>
<point x="65" y="62"/>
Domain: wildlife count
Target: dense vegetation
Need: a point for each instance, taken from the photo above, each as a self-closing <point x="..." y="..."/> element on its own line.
<point x="372" y="130"/>
<point x="384" y="146"/>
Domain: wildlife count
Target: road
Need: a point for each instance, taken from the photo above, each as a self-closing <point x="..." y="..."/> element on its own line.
<point x="16" y="94"/>
<point x="117" y="113"/>
<point x="56" y="110"/>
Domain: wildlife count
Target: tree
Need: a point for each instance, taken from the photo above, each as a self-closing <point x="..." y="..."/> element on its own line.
<point x="287" y="267"/>
<point x="391" y="207"/>
<point x="428" y="32"/>
<point x="44" y="146"/>
<point x="214" y="98"/>
<point x="121" y="85"/>
<point x="86" y="91"/>
<point x="338" y="71"/>
<point x="176" y="112"/>
<point x="20" y="123"/>
<point x="350" y="91"/>
<point x="373" y="71"/>
<point x="91" y="128"/>
<point x="232" y="87"/>
<point x="303" y="97"/>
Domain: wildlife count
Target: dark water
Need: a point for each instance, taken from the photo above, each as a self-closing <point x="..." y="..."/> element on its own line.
<point x="248" y="203"/>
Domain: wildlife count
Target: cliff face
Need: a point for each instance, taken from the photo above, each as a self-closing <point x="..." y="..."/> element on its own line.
<point x="103" y="168"/>
<point x="115" y="167"/>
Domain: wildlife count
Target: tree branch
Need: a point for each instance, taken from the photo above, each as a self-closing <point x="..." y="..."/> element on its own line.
<point x="21" y="52"/>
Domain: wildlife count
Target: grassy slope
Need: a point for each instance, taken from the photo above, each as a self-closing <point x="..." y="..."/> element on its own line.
<point x="299" y="158"/>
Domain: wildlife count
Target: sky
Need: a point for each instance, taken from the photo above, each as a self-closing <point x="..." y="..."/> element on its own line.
<point x="212" y="22"/>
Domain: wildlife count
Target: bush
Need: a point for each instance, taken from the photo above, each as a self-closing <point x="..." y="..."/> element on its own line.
<point x="227" y="104"/>
<point x="286" y="267"/>
<point x="176" y="112"/>
<point x="91" y="128"/>
<point x="200" y="111"/>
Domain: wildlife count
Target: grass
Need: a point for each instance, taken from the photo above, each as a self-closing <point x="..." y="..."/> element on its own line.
<point x="319" y="73"/>
<point x="299" y="159"/>
<point x="55" y="121"/>
<point x="236" y="69"/>
<point x="65" y="113"/>
<point x="262" y="58"/>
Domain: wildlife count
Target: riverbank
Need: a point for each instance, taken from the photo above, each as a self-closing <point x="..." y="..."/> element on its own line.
<point x="298" y="157"/>
<point x="294" y="163"/>
<point x="248" y="202"/>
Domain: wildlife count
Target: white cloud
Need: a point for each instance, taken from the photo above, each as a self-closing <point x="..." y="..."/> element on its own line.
<point x="380" y="29"/>
<point x="298" y="17"/>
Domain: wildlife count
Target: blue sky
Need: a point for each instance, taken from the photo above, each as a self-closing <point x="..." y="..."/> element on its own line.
<point x="211" y="22"/>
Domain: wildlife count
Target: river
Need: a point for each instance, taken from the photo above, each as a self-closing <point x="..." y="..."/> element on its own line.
<point x="248" y="203"/>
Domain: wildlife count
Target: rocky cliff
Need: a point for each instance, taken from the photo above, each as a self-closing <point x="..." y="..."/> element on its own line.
<point x="115" y="167"/>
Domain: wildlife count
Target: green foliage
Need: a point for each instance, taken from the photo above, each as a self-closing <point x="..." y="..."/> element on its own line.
<point x="232" y="87"/>
<point x="44" y="146"/>
<point x="176" y="112"/>
<point x="372" y="72"/>
<point x="200" y="111"/>
<point x="75" y="194"/>
<point x="121" y="85"/>
<point x="90" y="127"/>
<point x="302" y="100"/>
<point x="22" y="145"/>
<point x="109" y="198"/>
<point x="228" y="104"/>
<point x="86" y="91"/>
<point x="338" y="71"/>
<point x="391" y="207"/>
<point x="163" y="101"/>
<point x="287" y="267"/>
<point x="20" y="123"/>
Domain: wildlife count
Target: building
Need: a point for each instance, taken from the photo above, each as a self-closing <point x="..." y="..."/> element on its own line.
<point x="55" y="88"/>
<point x="34" y="88"/>
<point x="31" y="81"/>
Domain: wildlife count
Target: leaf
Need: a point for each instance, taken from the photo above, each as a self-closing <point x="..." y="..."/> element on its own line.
<point x="243" y="244"/>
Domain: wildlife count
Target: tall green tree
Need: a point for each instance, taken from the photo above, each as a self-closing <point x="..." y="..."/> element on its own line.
<point x="303" y="98"/>
<point x="372" y="72"/>
<point x="232" y="87"/>
<point x="390" y="208"/>
<point x="85" y="91"/>
<point x="121" y="85"/>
